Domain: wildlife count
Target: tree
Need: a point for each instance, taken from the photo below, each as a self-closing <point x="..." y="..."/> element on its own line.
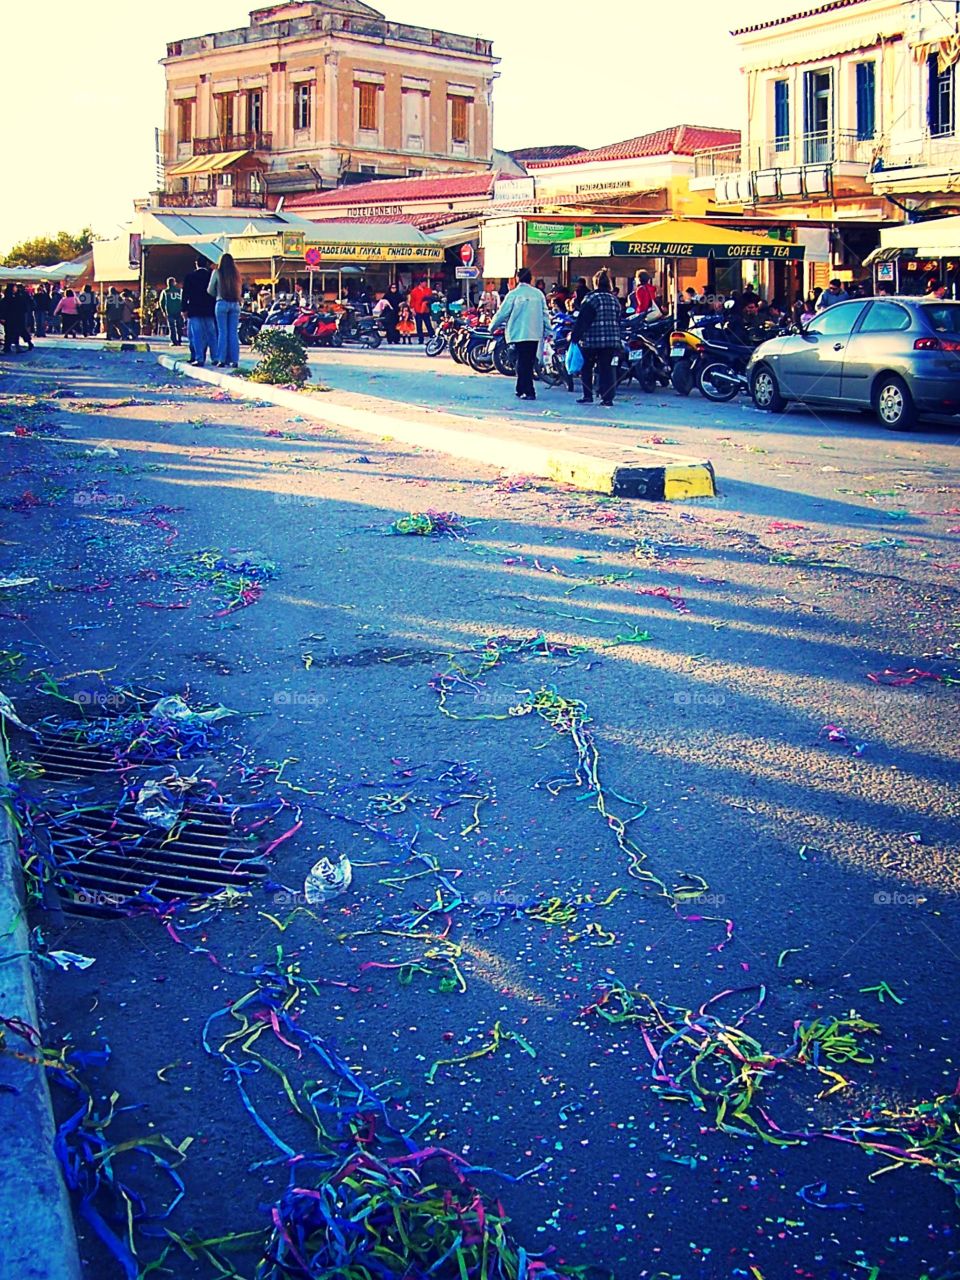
<point x="42" y="251"/>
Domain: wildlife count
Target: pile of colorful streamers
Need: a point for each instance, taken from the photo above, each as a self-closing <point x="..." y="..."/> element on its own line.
<point x="168" y="730"/>
<point x="92" y="1163"/>
<point x="235" y="583"/>
<point x="431" y="524"/>
<point x="718" y="1068"/>
<point x="375" y="1219"/>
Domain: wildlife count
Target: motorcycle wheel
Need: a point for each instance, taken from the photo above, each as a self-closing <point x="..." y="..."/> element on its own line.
<point x="480" y="358"/>
<point x="248" y="333"/>
<point x="505" y="360"/>
<point x="549" y="374"/>
<point x="456" y="349"/>
<point x="681" y="377"/>
<point x="370" y="340"/>
<point x="434" y="346"/>
<point x="336" y="339"/>
<point x="647" y="375"/>
<point x="722" y="390"/>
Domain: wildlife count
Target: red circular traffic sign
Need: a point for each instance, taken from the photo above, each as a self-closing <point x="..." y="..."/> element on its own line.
<point x="466" y="254"/>
<point x="312" y="257"/>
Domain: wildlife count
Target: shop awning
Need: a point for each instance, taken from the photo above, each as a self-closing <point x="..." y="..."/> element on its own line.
<point x="935" y="238"/>
<point x="215" y="163"/>
<point x="681" y="238"/>
<point x="888" y="255"/>
<point x="339" y="242"/>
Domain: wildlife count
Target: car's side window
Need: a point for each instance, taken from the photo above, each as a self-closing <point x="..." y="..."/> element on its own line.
<point x="836" y="320"/>
<point x="885" y="317"/>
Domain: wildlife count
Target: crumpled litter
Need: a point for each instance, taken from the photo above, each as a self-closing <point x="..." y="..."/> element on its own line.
<point x="174" y="708"/>
<point x="7" y="584"/>
<point x="67" y="960"/>
<point x="157" y="805"/>
<point x="326" y="879"/>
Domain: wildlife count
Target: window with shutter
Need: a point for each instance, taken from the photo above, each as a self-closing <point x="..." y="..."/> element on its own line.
<point x="866" y="99"/>
<point x="301" y="106"/>
<point x="781" y="115"/>
<point x="940" y="107"/>
<point x="368" y="108"/>
<point x="458" y="120"/>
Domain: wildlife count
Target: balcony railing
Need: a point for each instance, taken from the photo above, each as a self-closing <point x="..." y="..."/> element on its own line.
<point x="716" y="160"/>
<point x="931" y="151"/>
<point x="240" y="197"/>
<point x="298" y="28"/>
<point x="187" y="199"/>
<point x="841" y="147"/>
<point x="254" y="141"/>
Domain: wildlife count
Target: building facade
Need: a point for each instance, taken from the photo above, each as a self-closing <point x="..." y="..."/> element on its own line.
<point x="312" y="95"/>
<point x="849" y="120"/>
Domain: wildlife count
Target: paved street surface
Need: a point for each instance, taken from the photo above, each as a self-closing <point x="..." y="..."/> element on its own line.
<point x="716" y="763"/>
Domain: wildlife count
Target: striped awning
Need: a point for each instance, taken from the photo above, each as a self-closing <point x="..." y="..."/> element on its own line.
<point x="215" y="163"/>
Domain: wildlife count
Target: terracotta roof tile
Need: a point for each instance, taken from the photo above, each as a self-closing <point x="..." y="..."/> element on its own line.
<point x="446" y="186"/>
<point x="523" y="154"/>
<point x="680" y="139"/>
<point x="793" y="17"/>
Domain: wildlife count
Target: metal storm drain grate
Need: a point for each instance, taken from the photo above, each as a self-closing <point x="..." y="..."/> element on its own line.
<point x="109" y="857"/>
<point x="64" y="759"/>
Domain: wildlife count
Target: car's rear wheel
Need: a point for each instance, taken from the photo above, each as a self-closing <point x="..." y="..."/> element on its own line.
<point x="893" y="403"/>
<point x="766" y="391"/>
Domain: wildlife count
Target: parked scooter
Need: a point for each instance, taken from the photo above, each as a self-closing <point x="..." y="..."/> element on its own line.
<point x="353" y="327"/>
<point x="317" y="329"/>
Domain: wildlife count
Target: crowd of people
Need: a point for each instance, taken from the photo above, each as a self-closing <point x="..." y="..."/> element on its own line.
<point x="206" y="307"/>
<point x="30" y="312"/>
<point x="528" y="312"/>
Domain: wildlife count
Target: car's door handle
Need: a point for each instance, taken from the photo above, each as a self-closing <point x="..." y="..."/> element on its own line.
<point x="838" y="346"/>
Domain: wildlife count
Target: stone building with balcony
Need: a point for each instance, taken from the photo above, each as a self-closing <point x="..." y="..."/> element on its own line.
<point x="849" y="124"/>
<point x="313" y="95"/>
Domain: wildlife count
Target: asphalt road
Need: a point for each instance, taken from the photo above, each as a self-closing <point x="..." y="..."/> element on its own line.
<point x="830" y="555"/>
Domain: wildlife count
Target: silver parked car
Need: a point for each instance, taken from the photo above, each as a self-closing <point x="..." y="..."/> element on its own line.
<point x="899" y="357"/>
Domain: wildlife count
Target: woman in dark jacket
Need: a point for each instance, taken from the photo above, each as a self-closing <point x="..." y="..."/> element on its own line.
<point x="597" y="332"/>
<point x="391" y="313"/>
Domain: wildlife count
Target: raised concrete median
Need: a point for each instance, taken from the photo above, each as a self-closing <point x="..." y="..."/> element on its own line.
<point x="639" y="471"/>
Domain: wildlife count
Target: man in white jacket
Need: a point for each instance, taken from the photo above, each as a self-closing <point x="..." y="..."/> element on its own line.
<point x="524" y="312"/>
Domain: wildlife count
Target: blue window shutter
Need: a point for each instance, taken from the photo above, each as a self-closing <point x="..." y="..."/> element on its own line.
<point x="781" y="114"/>
<point x="866" y="99"/>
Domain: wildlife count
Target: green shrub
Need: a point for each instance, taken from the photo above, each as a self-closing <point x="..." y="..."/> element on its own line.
<point x="283" y="358"/>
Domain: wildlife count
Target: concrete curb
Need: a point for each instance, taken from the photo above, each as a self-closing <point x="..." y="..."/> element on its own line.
<point x="56" y="343"/>
<point x="654" y="475"/>
<point x="37" y="1238"/>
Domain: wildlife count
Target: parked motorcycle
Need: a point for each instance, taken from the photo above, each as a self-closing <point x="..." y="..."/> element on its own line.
<point x="317" y="329"/>
<point x="251" y="323"/>
<point x="643" y="355"/>
<point x="353" y="327"/>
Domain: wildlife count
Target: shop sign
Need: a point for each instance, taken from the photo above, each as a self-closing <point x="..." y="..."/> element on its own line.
<point x="292" y="243"/>
<point x="550" y="232"/>
<point x="382" y="252"/>
<point x="660" y="249"/>
<point x="513" y="189"/>
<point x="885" y="271"/>
<point x="603" y="188"/>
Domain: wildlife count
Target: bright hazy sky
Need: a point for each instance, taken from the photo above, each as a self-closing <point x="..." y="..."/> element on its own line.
<point x="81" y="91"/>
